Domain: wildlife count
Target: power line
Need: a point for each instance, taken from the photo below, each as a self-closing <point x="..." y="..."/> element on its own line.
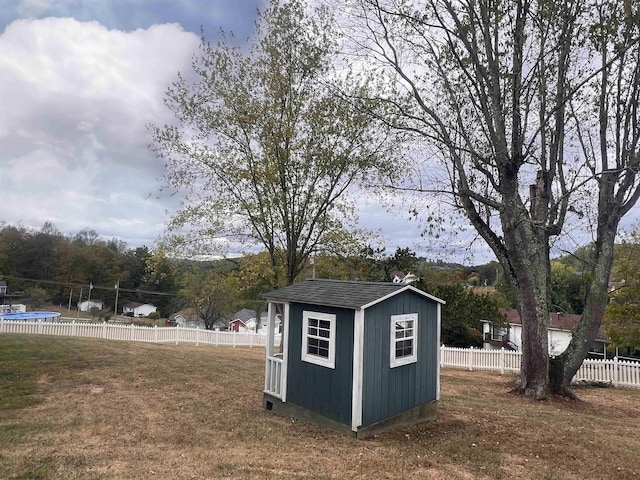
<point x="98" y="287"/>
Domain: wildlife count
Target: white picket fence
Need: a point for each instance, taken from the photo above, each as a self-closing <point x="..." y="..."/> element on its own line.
<point x="614" y="371"/>
<point x="134" y="333"/>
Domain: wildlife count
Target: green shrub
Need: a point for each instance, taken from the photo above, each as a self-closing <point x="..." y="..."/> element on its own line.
<point x="143" y="322"/>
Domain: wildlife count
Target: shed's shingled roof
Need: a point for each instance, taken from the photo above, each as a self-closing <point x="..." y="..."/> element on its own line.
<point x="339" y="293"/>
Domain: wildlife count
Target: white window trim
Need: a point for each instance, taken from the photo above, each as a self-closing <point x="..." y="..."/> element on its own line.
<point x="413" y="358"/>
<point x="329" y="362"/>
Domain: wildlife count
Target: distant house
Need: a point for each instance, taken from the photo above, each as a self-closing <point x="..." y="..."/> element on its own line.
<point x="187" y="317"/>
<point x="6" y="301"/>
<point x="237" y="325"/>
<point x="264" y="324"/>
<point x="136" y="309"/>
<point x="246" y="320"/>
<point x="238" y="321"/>
<point x="400" y="277"/>
<point x="559" y="331"/>
<point x="87" y="305"/>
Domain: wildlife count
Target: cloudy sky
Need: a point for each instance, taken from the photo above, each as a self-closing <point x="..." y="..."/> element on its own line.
<point x="79" y="82"/>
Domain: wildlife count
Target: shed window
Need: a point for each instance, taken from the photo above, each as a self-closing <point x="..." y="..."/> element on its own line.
<point x="319" y="338"/>
<point x="404" y="339"/>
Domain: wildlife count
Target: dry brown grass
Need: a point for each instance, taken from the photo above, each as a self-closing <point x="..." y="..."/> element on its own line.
<point x="117" y="410"/>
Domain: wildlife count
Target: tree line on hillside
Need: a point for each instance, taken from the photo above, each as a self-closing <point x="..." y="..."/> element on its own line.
<point x="48" y="266"/>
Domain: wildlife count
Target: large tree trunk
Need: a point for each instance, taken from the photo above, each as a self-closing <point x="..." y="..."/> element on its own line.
<point x="531" y="273"/>
<point x="528" y="259"/>
<point x="564" y="368"/>
<point x="535" y="354"/>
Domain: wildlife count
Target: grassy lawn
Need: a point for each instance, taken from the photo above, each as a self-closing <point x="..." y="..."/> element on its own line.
<point x="90" y="409"/>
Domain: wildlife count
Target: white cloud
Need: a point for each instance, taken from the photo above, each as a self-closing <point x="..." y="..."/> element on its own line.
<point x="76" y="99"/>
<point x="33" y="7"/>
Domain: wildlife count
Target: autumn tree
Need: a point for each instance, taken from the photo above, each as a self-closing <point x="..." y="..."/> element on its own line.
<point x="403" y="260"/>
<point x="531" y="106"/>
<point x="28" y="254"/>
<point x="353" y="255"/>
<point x="465" y="308"/>
<point x="264" y="147"/>
<point x="212" y="295"/>
<point x="35" y="297"/>
<point x="254" y="276"/>
<point x="463" y="312"/>
<point x="622" y="316"/>
<point x="568" y="287"/>
<point x="161" y="274"/>
<point x="609" y="134"/>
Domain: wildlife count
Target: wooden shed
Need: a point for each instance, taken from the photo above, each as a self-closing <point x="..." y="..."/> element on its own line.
<point x="359" y="357"/>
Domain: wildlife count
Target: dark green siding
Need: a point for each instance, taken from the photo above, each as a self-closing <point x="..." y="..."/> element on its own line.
<point x="324" y="390"/>
<point x="390" y="391"/>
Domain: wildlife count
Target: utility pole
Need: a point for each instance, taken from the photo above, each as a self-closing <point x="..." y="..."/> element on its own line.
<point x="115" y="308"/>
<point x="69" y="309"/>
<point x="79" y="301"/>
<point x="89" y="298"/>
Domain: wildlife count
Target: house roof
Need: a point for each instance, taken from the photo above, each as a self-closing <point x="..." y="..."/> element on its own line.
<point x="560" y="321"/>
<point x="245" y="314"/>
<point x="557" y="320"/>
<point x="188" y="314"/>
<point x="136" y="305"/>
<point x="341" y="293"/>
<point x="132" y="305"/>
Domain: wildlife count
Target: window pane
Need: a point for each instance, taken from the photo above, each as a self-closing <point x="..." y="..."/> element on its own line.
<point x="318" y="347"/>
<point x="404" y="348"/>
